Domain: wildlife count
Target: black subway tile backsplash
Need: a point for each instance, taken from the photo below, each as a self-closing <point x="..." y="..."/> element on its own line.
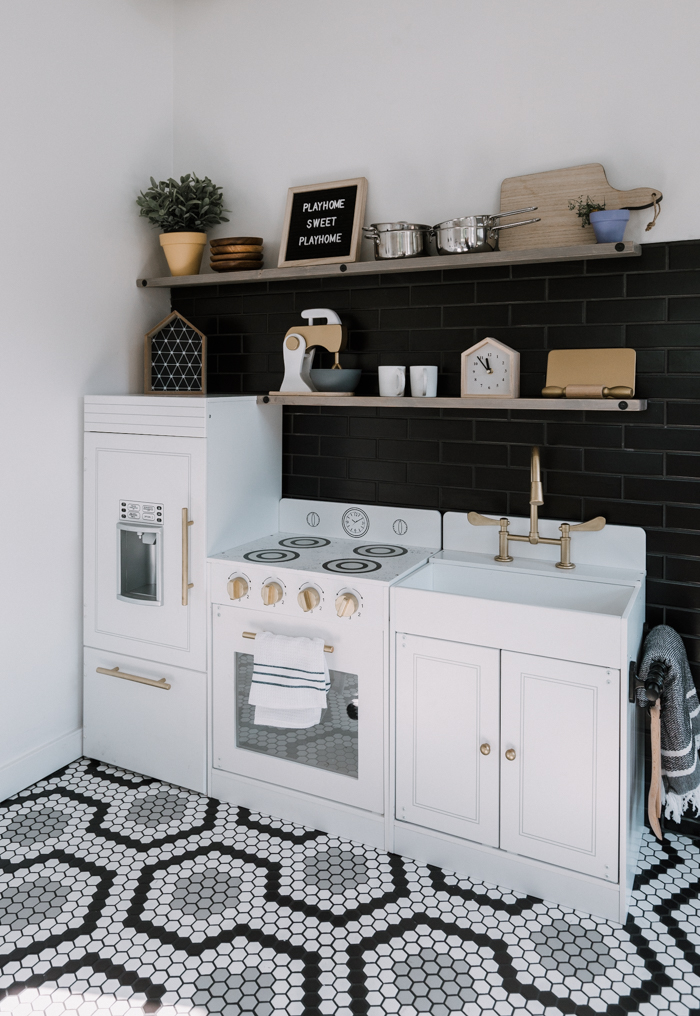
<point x="637" y="469"/>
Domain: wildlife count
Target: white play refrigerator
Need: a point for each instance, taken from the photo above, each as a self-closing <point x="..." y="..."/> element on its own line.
<point x="168" y="481"/>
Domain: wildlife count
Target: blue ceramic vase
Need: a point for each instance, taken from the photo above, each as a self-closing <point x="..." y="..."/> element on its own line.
<point x="609" y="225"/>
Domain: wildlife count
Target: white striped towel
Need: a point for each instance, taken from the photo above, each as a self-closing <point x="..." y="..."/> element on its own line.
<point x="290" y="675"/>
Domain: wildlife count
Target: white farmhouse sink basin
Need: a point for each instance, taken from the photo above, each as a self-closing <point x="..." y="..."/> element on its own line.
<point x="555" y="589"/>
<point x="526" y="606"/>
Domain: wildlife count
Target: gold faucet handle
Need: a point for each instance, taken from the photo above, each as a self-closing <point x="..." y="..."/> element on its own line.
<point x="592" y="526"/>
<point x="482" y="520"/>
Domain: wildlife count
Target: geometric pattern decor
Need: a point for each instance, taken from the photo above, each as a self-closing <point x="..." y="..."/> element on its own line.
<point x="123" y="895"/>
<point x="175" y="358"/>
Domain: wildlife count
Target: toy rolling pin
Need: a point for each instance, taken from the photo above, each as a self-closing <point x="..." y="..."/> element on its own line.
<point x="587" y="392"/>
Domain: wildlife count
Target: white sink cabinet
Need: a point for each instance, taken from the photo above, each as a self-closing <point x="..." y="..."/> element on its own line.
<point x="518" y="755"/>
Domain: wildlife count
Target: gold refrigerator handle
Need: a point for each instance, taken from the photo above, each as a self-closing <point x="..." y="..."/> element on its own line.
<point x="116" y="672"/>
<point x="186" y="584"/>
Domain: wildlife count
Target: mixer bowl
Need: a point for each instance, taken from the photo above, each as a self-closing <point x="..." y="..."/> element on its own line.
<point x="331" y="380"/>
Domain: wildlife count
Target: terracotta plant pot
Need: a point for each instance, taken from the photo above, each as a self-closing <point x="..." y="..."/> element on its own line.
<point x="183" y="251"/>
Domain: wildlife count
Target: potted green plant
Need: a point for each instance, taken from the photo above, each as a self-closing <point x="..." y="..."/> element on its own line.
<point x="183" y="211"/>
<point x="609" y="224"/>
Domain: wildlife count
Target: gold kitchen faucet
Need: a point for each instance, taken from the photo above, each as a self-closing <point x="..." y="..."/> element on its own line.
<point x="536" y="499"/>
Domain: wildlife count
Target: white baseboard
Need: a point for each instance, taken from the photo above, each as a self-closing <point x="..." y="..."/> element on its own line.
<point x="40" y="762"/>
<point x="328" y="816"/>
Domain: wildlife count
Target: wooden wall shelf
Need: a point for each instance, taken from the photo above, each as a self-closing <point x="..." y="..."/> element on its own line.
<point x="541" y="255"/>
<point x="406" y="402"/>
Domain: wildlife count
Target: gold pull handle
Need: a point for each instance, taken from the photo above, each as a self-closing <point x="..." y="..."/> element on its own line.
<point x="510" y="754"/>
<point x="116" y="672"/>
<point x="271" y="593"/>
<point x="481" y="520"/>
<point x="592" y="526"/>
<point x="485" y="749"/>
<point x="186" y="584"/>
<point x="252" y="634"/>
<point x="237" y="588"/>
<point x="308" y="599"/>
<point x="346" y="605"/>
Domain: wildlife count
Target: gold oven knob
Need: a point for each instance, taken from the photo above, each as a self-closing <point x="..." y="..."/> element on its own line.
<point x="485" y="749"/>
<point x="510" y="754"/>
<point x="346" y="605"/>
<point x="271" y="593"/>
<point x="237" y="588"/>
<point x="308" y="599"/>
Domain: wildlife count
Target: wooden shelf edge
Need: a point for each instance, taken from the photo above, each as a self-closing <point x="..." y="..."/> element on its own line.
<point x="540" y="255"/>
<point x="588" y="405"/>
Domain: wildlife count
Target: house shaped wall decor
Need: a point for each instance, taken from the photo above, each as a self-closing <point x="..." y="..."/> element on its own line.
<point x="175" y="358"/>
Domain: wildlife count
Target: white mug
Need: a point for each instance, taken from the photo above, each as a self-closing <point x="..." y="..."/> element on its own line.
<point x="424" y="382"/>
<point x="392" y="381"/>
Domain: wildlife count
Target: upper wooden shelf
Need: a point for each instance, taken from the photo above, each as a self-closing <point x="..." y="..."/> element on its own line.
<point x="540" y="255"/>
<point x="405" y="402"/>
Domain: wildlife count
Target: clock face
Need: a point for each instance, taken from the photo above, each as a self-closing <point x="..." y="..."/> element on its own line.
<point x="489" y="370"/>
<point x="355" y="522"/>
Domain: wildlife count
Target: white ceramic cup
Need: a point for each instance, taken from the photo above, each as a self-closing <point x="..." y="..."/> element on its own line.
<point x="392" y="381"/>
<point x="424" y="382"/>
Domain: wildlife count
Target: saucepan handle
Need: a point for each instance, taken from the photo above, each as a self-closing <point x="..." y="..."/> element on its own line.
<point x="509" y="225"/>
<point x="518" y="211"/>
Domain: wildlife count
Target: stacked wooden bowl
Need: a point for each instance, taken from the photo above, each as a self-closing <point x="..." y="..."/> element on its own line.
<point x="236" y="253"/>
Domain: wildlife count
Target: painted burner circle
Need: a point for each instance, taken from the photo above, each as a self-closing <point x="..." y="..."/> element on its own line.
<point x="379" y="550"/>
<point x="351" y="566"/>
<point x="273" y="556"/>
<point x="304" y="542"/>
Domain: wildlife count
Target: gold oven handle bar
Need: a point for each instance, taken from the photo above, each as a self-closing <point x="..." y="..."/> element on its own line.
<point x="116" y="672"/>
<point x="186" y="584"/>
<point x="251" y="635"/>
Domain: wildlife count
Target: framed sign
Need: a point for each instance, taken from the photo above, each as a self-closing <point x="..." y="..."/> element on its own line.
<point x="323" y="223"/>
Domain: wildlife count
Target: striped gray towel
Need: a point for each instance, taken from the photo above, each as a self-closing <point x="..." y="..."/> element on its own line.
<point x="290" y="680"/>
<point x="680" y="722"/>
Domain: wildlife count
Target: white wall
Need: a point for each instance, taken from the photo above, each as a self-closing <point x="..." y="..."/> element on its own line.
<point x="436" y="101"/>
<point x="85" y="119"/>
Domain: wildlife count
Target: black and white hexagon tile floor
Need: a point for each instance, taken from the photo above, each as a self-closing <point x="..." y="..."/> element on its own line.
<point x="122" y="895"/>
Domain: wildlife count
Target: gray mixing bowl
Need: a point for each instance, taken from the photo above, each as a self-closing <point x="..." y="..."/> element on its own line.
<point x="331" y="380"/>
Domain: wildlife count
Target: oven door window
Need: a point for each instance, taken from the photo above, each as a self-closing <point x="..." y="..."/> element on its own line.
<point x="331" y="745"/>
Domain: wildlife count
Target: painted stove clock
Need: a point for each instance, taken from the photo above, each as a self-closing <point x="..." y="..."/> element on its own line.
<point x="490" y="369"/>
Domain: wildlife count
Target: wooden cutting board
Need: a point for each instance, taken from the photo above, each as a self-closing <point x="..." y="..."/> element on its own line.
<point x="551" y="192"/>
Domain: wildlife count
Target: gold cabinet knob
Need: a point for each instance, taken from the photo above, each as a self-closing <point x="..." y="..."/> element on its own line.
<point x="308" y="598"/>
<point x="237" y="588"/>
<point x="346" y="605"/>
<point x="510" y="754"/>
<point x="485" y="749"/>
<point x="271" y="593"/>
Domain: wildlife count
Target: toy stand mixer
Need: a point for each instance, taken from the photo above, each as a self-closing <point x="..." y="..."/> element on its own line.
<point x="300" y="345"/>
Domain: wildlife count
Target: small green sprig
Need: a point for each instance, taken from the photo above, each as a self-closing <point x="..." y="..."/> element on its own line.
<point x="193" y="205"/>
<point x="584" y="208"/>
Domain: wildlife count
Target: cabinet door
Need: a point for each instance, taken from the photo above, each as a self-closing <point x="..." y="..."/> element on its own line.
<point x="149" y="730"/>
<point x="169" y="472"/>
<point x="559" y="793"/>
<point x="446" y="710"/>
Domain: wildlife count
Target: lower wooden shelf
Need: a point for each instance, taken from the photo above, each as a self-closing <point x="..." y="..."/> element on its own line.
<point x="405" y="402"/>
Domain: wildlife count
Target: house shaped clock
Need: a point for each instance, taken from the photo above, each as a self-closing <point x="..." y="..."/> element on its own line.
<point x="175" y="358"/>
<point x="490" y="370"/>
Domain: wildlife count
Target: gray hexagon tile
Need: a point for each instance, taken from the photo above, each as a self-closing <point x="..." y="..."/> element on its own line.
<point x="122" y="895"/>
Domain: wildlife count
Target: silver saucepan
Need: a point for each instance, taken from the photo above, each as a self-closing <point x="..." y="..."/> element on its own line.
<point x="398" y="240"/>
<point x="474" y="234"/>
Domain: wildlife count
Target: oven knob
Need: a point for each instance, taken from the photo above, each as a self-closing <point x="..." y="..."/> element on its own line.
<point x="346" y="605"/>
<point x="308" y="598"/>
<point x="271" y="593"/>
<point x="237" y="588"/>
